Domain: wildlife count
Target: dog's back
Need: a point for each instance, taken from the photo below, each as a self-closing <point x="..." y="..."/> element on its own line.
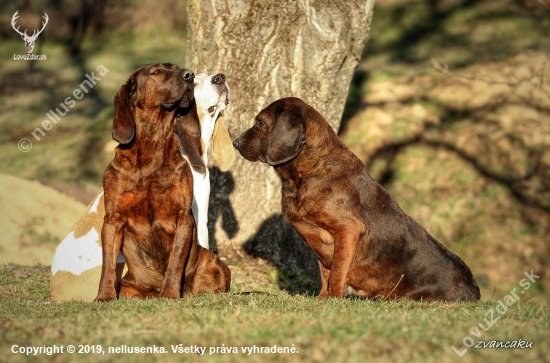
<point x="396" y="257"/>
<point x="76" y="264"/>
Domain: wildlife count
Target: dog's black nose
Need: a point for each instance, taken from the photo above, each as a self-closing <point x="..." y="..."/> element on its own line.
<point x="218" y="78"/>
<point x="187" y="75"/>
<point x="237" y="142"/>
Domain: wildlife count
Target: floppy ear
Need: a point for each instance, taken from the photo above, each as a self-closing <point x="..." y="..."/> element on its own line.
<point x="286" y="139"/>
<point x="223" y="151"/>
<point x="189" y="132"/>
<point x="124" y="125"/>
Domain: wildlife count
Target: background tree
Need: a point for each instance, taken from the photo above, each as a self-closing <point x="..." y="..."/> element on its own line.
<point x="269" y="50"/>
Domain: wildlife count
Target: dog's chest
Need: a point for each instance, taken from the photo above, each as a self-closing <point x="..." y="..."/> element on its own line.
<point x="152" y="216"/>
<point x="295" y="200"/>
<point x="156" y="201"/>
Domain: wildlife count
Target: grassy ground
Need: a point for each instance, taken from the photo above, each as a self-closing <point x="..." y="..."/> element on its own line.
<point x="467" y="157"/>
<point x="335" y="330"/>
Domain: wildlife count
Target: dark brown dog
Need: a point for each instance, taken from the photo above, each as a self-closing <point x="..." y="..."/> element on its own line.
<point x="360" y="235"/>
<point x="149" y="190"/>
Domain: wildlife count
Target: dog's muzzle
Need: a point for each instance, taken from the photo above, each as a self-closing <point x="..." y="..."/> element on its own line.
<point x="218" y="78"/>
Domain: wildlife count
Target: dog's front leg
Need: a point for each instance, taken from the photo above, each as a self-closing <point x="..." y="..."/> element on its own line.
<point x="111" y="240"/>
<point x="324" y="279"/>
<point x="321" y="242"/>
<point x="201" y="194"/>
<point x="185" y="228"/>
<point x="346" y="239"/>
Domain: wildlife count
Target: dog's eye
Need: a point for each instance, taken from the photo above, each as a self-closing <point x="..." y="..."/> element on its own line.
<point x="158" y="71"/>
<point x="211" y="109"/>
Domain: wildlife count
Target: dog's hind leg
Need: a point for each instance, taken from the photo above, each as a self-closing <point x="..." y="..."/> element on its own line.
<point x="128" y="291"/>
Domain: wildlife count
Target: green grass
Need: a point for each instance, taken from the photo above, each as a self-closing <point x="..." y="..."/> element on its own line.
<point x="406" y="34"/>
<point x="476" y="217"/>
<point x="333" y="330"/>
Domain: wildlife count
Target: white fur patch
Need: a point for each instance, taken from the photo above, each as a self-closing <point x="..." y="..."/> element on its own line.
<point x="213" y="97"/>
<point x="93" y="208"/>
<point x="77" y="255"/>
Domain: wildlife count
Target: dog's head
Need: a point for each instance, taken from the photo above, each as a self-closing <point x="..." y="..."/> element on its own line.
<point x="154" y="87"/>
<point x="212" y="97"/>
<point x="278" y="134"/>
<point x="211" y="94"/>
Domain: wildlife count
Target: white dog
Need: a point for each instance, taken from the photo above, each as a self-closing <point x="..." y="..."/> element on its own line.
<point x="212" y="97"/>
<point x="76" y="264"/>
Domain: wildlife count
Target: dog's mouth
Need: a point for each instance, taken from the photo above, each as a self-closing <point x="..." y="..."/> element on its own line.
<point x="180" y="99"/>
<point x="225" y="94"/>
<point x="223" y="100"/>
<point x="170" y="103"/>
<point x="181" y="102"/>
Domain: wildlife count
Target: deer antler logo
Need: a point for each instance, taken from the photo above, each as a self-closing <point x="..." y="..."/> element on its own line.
<point x="29" y="41"/>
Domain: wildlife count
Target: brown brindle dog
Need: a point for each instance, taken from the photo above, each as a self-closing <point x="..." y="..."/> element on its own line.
<point x="360" y="235"/>
<point x="149" y="190"/>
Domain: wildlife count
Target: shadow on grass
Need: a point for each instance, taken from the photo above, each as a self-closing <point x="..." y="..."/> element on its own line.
<point x="220" y="206"/>
<point x="425" y="23"/>
<point x="297" y="269"/>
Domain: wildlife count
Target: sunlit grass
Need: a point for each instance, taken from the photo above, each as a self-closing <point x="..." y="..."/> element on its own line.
<point x="349" y="329"/>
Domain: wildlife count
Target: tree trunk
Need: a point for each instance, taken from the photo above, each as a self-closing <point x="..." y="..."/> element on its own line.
<point x="269" y="50"/>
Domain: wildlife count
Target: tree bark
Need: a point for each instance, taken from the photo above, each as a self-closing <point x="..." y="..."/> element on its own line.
<point x="269" y="50"/>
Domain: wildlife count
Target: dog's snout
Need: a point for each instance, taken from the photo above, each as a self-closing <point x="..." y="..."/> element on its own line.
<point x="187" y="75"/>
<point x="237" y="143"/>
<point x="218" y="78"/>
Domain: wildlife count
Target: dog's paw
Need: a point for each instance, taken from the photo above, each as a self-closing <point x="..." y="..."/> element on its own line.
<point x="169" y="294"/>
<point x="326" y="294"/>
<point x="323" y="294"/>
<point x="101" y="297"/>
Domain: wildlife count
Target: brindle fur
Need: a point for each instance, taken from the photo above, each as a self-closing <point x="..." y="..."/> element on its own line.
<point x="360" y="235"/>
<point x="149" y="190"/>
